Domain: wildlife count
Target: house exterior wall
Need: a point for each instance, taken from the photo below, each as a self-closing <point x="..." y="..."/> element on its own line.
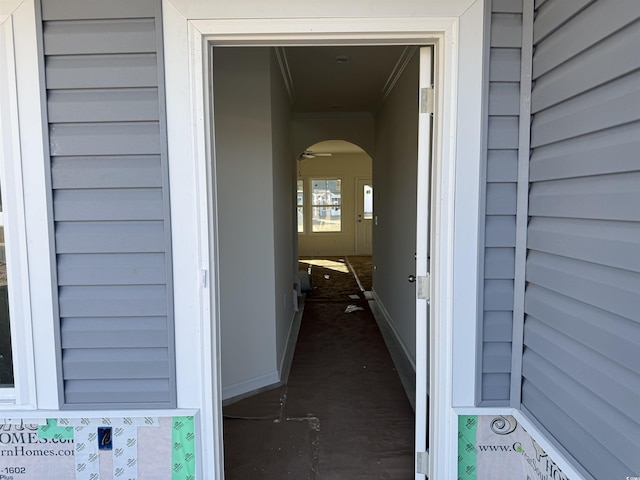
<point x="104" y="103"/>
<point x="580" y="369"/>
<point x="498" y="243"/>
<point x="409" y="8"/>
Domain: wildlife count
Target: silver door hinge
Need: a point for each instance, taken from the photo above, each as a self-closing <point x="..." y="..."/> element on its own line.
<point x="424" y="287"/>
<point x="426" y="100"/>
<point x="204" y="278"/>
<point x="422" y="463"/>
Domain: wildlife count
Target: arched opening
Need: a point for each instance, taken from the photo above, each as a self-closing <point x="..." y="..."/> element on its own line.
<point x="334" y="200"/>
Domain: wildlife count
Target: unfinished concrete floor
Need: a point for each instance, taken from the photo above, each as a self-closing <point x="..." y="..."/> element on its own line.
<point x="343" y="413"/>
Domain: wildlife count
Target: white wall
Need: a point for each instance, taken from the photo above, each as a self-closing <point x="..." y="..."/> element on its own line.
<point x="285" y="263"/>
<point x="395" y="166"/>
<point x="308" y="129"/>
<point x="244" y="174"/>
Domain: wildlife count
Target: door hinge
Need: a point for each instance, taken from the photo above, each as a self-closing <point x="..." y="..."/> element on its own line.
<point x="424" y="287"/>
<point x="204" y="278"/>
<point x="422" y="463"/>
<point x="426" y="100"/>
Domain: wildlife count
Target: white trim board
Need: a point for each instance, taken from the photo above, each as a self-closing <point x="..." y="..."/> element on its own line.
<point x="34" y="342"/>
<point x="188" y="93"/>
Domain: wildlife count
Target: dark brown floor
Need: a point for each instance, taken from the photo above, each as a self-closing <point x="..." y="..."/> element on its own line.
<point x="343" y="413"/>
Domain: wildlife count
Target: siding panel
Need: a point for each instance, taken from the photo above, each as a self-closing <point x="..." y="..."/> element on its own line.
<point x="109" y="179"/>
<point x="110" y="237"/>
<point x="605" y="197"/>
<point x="580" y="366"/>
<point x="127" y="300"/>
<point x="111" y="269"/>
<point x="97" y="9"/>
<point x="610" y="243"/>
<point x="498" y="327"/>
<point x="152" y="392"/>
<point x="100" y="36"/>
<point x="113" y="332"/>
<point x="102" y="71"/>
<point x="504" y="98"/>
<point x="108" y="204"/>
<point x="499" y="263"/>
<point x="502" y="166"/>
<point x="613" y="104"/>
<point x="582" y="157"/>
<point x="555" y="13"/>
<point x="596" y="66"/>
<point x="500" y="198"/>
<point x="504" y="65"/>
<point x="71" y="139"/>
<point x="506" y="30"/>
<point x="143" y="171"/>
<point x="583" y="31"/>
<point x="117" y="363"/>
<point x="110" y="105"/>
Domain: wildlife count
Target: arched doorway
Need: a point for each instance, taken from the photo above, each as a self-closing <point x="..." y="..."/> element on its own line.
<point x="334" y="200"/>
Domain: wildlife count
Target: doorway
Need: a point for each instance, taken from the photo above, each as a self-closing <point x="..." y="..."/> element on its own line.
<point x="364" y="216"/>
<point x="328" y="205"/>
<point x="458" y="101"/>
<point x="258" y="203"/>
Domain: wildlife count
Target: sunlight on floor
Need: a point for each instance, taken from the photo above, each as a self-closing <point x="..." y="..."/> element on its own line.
<point x="338" y="266"/>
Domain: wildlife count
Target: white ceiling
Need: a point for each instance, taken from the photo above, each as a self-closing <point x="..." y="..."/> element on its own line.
<point x="342" y="78"/>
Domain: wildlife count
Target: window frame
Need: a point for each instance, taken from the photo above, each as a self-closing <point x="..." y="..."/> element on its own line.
<point x="22" y="395"/>
<point x="301" y="206"/>
<point x="313" y="205"/>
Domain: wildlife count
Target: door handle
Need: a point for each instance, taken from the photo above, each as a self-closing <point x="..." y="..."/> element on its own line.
<point x="412" y="278"/>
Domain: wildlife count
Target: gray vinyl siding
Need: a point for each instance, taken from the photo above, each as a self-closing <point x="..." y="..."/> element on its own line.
<point x="109" y="191"/>
<point x="580" y="364"/>
<point x="499" y="242"/>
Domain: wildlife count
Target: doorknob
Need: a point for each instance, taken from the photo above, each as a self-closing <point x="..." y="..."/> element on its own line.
<point x="412" y="278"/>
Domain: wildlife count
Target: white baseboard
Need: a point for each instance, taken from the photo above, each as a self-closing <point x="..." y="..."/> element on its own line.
<point x="403" y="360"/>
<point x="249" y="386"/>
<point x="274" y="379"/>
<point x="292" y="340"/>
<point x="389" y="322"/>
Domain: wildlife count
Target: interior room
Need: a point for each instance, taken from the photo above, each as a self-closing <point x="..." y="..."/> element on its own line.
<point x="304" y="138"/>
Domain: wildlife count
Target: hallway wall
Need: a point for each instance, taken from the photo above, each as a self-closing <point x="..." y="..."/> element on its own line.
<point x="394" y="233"/>
<point x="251" y="145"/>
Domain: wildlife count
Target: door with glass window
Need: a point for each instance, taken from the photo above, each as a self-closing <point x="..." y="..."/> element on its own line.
<point x="364" y="216"/>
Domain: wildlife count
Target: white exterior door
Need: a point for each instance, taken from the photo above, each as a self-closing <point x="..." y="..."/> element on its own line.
<point x="423" y="244"/>
<point x="364" y="216"/>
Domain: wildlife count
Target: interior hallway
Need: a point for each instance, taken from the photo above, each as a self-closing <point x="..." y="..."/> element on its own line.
<point x="343" y="414"/>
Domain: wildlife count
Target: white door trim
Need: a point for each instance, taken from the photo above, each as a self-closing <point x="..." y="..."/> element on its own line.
<point x="192" y="200"/>
<point x="359" y="202"/>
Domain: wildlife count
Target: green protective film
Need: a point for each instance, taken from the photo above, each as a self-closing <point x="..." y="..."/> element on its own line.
<point x="183" y="449"/>
<point x="52" y="430"/>
<point x="467" y="427"/>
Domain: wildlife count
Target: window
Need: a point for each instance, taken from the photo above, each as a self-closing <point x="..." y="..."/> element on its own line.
<point x="368" y="202"/>
<point x="300" y="206"/>
<point x="326" y="205"/>
<point x="17" y="371"/>
<point x="6" y="357"/>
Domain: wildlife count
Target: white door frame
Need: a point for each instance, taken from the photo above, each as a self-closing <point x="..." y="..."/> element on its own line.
<point x="457" y="145"/>
<point x="359" y="201"/>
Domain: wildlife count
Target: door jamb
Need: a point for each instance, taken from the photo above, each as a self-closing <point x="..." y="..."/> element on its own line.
<point x="444" y="32"/>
